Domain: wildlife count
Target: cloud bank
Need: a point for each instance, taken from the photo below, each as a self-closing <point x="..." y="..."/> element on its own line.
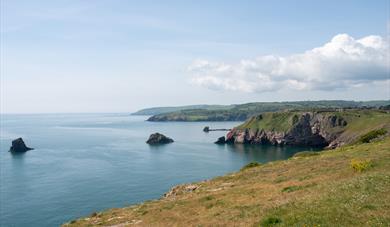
<point x="344" y="62"/>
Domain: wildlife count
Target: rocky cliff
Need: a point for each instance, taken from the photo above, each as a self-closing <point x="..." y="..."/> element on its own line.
<point x="316" y="128"/>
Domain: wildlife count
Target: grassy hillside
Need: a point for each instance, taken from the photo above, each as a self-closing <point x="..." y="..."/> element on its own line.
<point x="242" y="112"/>
<point x="317" y="127"/>
<point x="358" y="120"/>
<point x="348" y="186"/>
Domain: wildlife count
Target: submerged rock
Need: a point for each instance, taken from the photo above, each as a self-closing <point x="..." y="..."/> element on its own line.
<point x="221" y="140"/>
<point x="18" y="145"/>
<point x="157" y="138"/>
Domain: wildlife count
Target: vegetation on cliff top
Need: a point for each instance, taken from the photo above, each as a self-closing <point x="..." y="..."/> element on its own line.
<point x="348" y="186"/>
<point x="357" y="125"/>
<point x="241" y="112"/>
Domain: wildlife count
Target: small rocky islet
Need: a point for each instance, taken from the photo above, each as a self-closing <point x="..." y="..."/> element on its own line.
<point x="18" y="146"/>
<point x="158" y="138"/>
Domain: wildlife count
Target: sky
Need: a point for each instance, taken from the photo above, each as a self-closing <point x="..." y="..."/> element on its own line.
<point x="121" y="56"/>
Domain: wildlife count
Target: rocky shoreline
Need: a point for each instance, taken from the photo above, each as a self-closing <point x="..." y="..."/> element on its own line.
<point x="317" y="129"/>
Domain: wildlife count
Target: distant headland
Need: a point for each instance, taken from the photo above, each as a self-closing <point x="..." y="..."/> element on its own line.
<point x="242" y="112"/>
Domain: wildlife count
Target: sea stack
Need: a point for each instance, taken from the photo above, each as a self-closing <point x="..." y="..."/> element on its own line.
<point x="157" y="138"/>
<point x="221" y="140"/>
<point x="18" y="145"/>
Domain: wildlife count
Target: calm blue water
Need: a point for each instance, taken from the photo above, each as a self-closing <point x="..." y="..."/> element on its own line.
<point x="84" y="163"/>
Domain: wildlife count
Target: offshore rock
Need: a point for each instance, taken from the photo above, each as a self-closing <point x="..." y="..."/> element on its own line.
<point x="18" y="145"/>
<point x="221" y="140"/>
<point x="157" y="138"/>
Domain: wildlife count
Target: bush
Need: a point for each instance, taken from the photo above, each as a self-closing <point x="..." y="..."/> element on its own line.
<point x="250" y="165"/>
<point x="270" y="221"/>
<point x="372" y="135"/>
<point x="306" y="154"/>
<point x="292" y="188"/>
<point x="206" y="198"/>
<point x="360" y="165"/>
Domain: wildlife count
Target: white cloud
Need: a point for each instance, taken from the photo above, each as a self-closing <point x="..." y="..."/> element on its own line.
<point x="341" y="63"/>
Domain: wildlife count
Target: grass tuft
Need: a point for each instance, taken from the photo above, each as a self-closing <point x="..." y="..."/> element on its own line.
<point x="360" y="165"/>
<point x="270" y="221"/>
<point x="206" y="198"/>
<point x="250" y="165"/>
<point x="305" y="154"/>
<point x="292" y="188"/>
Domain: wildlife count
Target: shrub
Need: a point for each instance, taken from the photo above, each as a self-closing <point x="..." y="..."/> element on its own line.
<point x="366" y="138"/>
<point x="295" y="119"/>
<point x="270" y="221"/>
<point x="306" y="154"/>
<point x="206" y="198"/>
<point x="292" y="188"/>
<point x="250" y="165"/>
<point x="360" y="165"/>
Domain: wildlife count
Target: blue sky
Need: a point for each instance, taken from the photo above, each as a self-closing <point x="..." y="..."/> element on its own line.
<point x="119" y="56"/>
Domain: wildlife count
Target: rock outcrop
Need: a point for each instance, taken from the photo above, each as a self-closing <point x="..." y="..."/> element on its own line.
<point x="18" y="145"/>
<point x="221" y="140"/>
<point x="180" y="190"/>
<point x="304" y="129"/>
<point x="157" y="138"/>
<point x="208" y="129"/>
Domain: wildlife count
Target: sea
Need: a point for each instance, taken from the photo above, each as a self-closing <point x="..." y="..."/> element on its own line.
<point x="85" y="163"/>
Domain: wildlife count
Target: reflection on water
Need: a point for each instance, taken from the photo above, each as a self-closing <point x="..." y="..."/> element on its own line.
<point x="17" y="155"/>
<point x="267" y="153"/>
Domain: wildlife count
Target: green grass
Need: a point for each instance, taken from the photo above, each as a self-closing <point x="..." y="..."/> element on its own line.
<point x="275" y="121"/>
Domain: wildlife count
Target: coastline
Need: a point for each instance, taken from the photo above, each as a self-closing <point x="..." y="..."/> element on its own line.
<point x="254" y="195"/>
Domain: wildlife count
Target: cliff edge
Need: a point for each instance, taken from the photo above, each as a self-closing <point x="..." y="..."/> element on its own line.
<point x="315" y="128"/>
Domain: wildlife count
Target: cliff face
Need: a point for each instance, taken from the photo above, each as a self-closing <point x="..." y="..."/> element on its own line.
<point x="299" y="128"/>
